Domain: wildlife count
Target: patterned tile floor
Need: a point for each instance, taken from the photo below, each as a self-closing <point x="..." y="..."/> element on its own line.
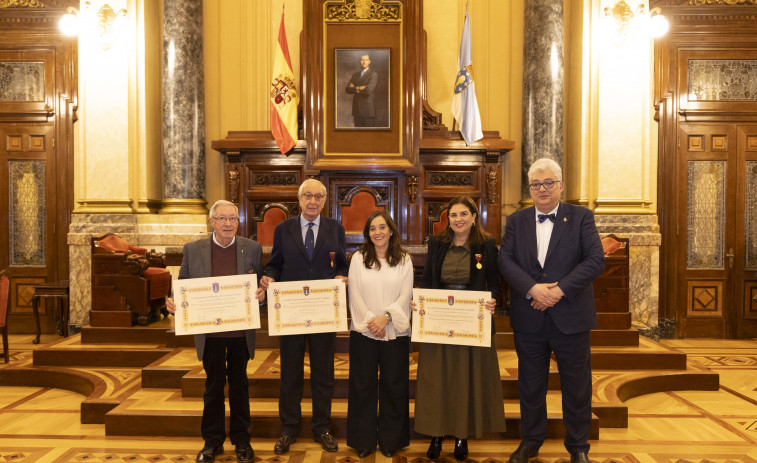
<point x="43" y="424"/>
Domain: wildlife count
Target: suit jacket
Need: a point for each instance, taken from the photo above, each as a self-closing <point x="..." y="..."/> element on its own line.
<point x="197" y="264"/>
<point x="484" y="279"/>
<point x="574" y="259"/>
<point x="289" y="260"/>
<point x="362" y="101"/>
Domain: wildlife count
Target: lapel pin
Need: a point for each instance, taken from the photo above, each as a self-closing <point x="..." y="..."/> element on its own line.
<point x="564" y="219"/>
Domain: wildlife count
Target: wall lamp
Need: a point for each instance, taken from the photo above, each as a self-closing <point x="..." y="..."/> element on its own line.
<point x="625" y="19"/>
<point x="106" y="23"/>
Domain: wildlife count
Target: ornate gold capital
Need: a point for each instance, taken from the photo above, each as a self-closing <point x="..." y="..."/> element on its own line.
<point x="21" y="4"/>
<point x="722" y="2"/>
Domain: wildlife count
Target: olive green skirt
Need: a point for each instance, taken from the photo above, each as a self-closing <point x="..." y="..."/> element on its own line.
<point x="459" y="391"/>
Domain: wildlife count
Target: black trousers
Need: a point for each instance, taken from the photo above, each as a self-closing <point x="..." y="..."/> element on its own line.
<point x="573" y="355"/>
<point x="378" y="372"/>
<point x="292" y="354"/>
<point x="222" y="358"/>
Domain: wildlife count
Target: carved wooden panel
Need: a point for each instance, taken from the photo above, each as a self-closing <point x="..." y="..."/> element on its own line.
<point x="705" y="298"/>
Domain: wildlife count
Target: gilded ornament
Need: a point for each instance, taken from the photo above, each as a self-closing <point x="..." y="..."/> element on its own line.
<point x="363" y="10"/>
<point x="722" y="2"/>
<point x="21" y="4"/>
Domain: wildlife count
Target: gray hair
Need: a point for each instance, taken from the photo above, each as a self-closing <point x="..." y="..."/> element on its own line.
<point x="219" y="203"/>
<point x="545" y="164"/>
<point x="308" y="182"/>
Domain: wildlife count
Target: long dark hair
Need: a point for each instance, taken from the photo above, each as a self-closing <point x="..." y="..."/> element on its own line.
<point x="477" y="233"/>
<point x="394" y="253"/>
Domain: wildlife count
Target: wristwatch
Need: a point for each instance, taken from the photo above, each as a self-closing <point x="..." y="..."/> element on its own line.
<point x="388" y="316"/>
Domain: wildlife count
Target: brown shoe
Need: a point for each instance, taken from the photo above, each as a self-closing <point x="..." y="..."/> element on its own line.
<point x="327" y="441"/>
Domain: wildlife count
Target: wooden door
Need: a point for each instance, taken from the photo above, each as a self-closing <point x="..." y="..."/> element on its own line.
<point x="717" y="224"/>
<point x="37" y="111"/>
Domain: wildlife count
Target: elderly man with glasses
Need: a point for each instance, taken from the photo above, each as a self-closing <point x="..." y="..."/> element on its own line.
<point x="307" y="247"/>
<point x="550" y="255"/>
<point x="224" y="354"/>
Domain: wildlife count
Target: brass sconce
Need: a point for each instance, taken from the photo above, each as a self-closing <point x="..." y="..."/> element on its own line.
<point x="623" y="17"/>
<point x="106" y="22"/>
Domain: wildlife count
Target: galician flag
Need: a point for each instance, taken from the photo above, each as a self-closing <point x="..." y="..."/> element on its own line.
<point x="464" y="104"/>
<point x="283" y="95"/>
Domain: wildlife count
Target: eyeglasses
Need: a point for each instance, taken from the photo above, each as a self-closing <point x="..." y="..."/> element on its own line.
<point x="223" y="219"/>
<point x="308" y="196"/>
<point x="548" y="184"/>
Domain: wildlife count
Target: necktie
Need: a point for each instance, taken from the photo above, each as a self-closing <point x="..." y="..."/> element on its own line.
<point x="310" y="240"/>
<point x="543" y="217"/>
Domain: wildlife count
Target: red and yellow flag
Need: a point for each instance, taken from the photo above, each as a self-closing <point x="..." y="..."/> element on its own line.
<point x="283" y="95"/>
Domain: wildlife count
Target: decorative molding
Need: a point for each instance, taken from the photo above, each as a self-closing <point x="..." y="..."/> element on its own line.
<point x="21" y="4"/>
<point x="491" y="186"/>
<point x="275" y="178"/>
<point x="234" y="185"/>
<point x="259" y="209"/>
<point x="721" y="2"/>
<point x="363" y="10"/>
<point x="412" y="187"/>
<point x="613" y="206"/>
<point x="345" y="193"/>
<point x="451" y="179"/>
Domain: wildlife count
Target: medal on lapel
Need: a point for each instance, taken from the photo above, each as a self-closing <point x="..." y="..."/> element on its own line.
<point x="332" y="255"/>
<point x="478" y="261"/>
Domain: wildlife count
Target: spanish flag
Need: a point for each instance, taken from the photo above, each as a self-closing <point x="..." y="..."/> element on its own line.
<point x="283" y="96"/>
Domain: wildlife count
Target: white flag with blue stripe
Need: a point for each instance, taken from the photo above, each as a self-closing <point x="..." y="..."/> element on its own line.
<point x="464" y="105"/>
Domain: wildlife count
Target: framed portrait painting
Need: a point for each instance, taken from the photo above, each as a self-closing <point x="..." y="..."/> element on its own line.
<point x="362" y="89"/>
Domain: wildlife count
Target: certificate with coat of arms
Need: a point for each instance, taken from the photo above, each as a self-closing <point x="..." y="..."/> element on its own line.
<point x="304" y="307"/>
<point x="452" y="317"/>
<point x="216" y="304"/>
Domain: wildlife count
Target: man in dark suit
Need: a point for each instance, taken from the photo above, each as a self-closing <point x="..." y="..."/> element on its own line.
<point x="550" y="255"/>
<point x="307" y="247"/>
<point x="224" y="354"/>
<point x="363" y="87"/>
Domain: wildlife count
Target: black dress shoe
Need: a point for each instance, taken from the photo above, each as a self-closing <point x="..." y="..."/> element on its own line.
<point x="461" y="449"/>
<point x="579" y="457"/>
<point x="208" y="454"/>
<point x="365" y="453"/>
<point x="282" y="445"/>
<point x="245" y="454"/>
<point x="523" y="453"/>
<point x="327" y="441"/>
<point x="435" y="449"/>
<point x="386" y="452"/>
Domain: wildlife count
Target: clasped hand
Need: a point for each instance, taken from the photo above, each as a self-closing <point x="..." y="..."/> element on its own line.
<point x="545" y="295"/>
<point x="377" y="326"/>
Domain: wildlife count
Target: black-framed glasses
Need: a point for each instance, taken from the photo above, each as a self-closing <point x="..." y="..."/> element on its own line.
<point x="308" y="196"/>
<point x="548" y="184"/>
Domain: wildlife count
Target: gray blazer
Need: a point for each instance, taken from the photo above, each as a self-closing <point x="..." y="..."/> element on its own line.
<point x="196" y="263"/>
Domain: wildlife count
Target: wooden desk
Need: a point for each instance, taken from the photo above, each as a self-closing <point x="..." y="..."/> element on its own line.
<point x="56" y="291"/>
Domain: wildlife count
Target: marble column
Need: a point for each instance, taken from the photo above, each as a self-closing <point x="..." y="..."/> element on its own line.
<point x="183" y="108"/>
<point x="543" y="83"/>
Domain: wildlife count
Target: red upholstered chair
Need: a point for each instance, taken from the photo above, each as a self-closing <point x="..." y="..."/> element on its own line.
<point x="129" y="284"/>
<point x="5" y="287"/>
<point x="265" y="229"/>
<point x="439" y="226"/>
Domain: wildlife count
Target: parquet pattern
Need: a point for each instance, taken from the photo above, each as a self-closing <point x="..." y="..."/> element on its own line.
<point x="41" y="424"/>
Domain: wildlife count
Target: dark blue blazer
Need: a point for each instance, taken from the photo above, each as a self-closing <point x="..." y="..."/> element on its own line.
<point x="289" y="261"/>
<point x="574" y="259"/>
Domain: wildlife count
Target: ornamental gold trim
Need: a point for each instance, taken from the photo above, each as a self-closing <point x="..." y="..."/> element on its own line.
<point x="722" y="2"/>
<point x="21" y="4"/>
<point x="362" y="10"/>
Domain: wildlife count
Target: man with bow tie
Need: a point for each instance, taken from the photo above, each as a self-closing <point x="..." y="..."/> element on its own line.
<point x="550" y="255"/>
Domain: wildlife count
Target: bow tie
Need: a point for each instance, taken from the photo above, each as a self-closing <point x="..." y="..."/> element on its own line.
<point x="543" y="217"/>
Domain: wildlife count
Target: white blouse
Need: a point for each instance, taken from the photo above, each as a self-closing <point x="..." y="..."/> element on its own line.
<point x="373" y="292"/>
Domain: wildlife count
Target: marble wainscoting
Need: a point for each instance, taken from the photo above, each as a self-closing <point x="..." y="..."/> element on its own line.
<point x="644" y="238"/>
<point x="158" y="232"/>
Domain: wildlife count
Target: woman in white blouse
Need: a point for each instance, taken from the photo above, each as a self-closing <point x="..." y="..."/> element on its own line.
<point x="380" y="289"/>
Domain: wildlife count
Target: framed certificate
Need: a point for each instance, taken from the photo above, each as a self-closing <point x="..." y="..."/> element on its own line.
<point x="303" y="307"/>
<point x="216" y="304"/>
<point x="452" y="317"/>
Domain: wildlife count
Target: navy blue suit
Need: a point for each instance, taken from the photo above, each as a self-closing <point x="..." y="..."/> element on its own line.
<point x="289" y="262"/>
<point x="574" y="259"/>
